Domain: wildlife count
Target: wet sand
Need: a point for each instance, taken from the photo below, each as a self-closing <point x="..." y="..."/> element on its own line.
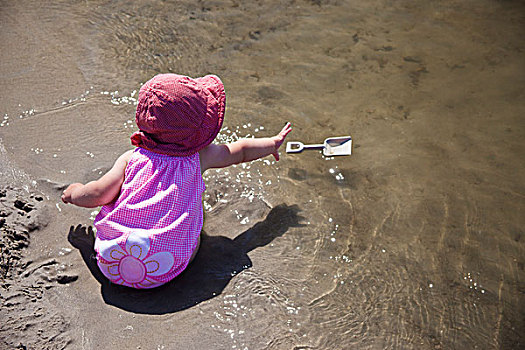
<point x="413" y="242"/>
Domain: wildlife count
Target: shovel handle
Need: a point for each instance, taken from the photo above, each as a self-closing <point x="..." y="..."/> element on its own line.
<point x="296" y="147"/>
<point x="316" y="146"/>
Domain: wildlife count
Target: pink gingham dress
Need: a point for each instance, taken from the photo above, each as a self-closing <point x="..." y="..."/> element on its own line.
<point x="147" y="236"/>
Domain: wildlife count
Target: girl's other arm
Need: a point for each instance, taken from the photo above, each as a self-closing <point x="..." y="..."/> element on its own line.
<point x="102" y="191"/>
<point x="245" y="150"/>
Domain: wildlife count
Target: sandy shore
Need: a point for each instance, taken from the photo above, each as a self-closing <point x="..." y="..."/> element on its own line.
<point x="29" y="320"/>
<point x="413" y="242"/>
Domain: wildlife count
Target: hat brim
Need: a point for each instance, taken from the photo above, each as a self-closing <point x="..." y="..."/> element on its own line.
<point x="216" y="96"/>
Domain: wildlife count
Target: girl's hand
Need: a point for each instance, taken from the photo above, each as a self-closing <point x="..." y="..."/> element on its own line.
<point x="66" y="195"/>
<point x="279" y="139"/>
<point x="102" y="191"/>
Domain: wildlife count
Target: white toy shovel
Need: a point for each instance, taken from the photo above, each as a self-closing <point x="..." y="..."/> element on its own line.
<point x="332" y="146"/>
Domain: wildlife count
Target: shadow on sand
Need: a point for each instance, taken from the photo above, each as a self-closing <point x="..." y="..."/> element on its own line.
<point x="218" y="260"/>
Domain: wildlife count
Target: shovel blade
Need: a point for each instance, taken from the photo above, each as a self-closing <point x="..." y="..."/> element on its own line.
<point x="338" y="146"/>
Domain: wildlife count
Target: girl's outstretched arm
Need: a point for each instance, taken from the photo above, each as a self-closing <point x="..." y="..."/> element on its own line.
<point x="245" y="150"/>
<point x="102" y="191"/>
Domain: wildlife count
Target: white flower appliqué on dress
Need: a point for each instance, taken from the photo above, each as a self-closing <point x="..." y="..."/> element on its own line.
<point x="133" y="267"/>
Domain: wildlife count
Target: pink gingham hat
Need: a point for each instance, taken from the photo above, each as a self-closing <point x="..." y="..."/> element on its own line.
<point x="178" y="115"/>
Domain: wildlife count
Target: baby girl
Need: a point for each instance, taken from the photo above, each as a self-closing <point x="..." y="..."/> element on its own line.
<point x="148" y="229"/>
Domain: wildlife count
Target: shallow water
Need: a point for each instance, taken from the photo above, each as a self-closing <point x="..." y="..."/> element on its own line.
<point x="414" y="241"/>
